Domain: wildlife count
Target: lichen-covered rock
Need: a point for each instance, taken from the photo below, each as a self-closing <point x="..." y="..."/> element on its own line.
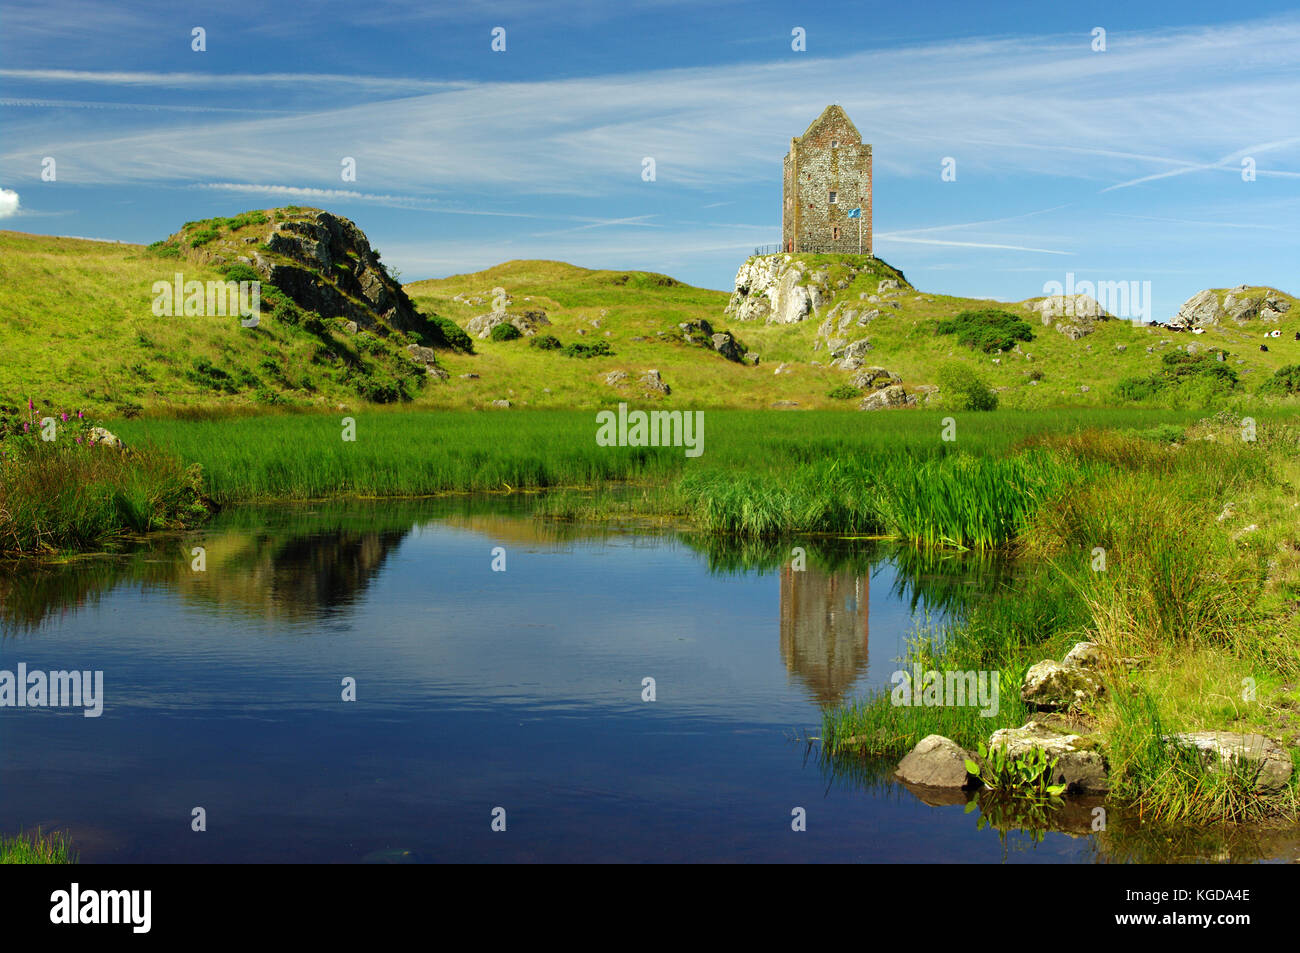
<point x="1239" y="305"/>
<point x="1052" y="685"/>
<point x="1261" y="759"/>
<point x="936" y="762"/>
<point x="875" y="378"/>
<point x="889" y="397"/>
<point x="423" y="355"/>
<point x="849" y="357"/>
<point x="727" y="346"/>
<point x="1085" y="655"/>
<point x="325" y="264"/>
<point x="100" y="437"/>
<point x="1198" y="311"/>
<point x="1075" y="316"/>
<point x="616" y="378"/>
<point x="779" y="289"/>
<point x="526" y="321"/>
<point x="1079" y="765"/>
<point x="654" y="383"/>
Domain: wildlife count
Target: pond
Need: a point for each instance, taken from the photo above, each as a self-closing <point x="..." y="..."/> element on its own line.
<point x="522" y="688"/>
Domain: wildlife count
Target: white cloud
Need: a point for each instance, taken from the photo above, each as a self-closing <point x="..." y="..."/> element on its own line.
<point x="1009" y="107"/>
<point x="8" y="203"/>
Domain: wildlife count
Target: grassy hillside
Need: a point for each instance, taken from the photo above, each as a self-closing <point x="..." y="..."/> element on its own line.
<point x="632" y="305"/>
<point x="78" y="332"/>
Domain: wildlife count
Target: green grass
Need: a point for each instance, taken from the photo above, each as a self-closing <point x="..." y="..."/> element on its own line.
<point x="37" y="849"/>
<point x="1200" y="605"/>
<point x="64" y="497"/>
<point x="411" y="452"/>
<point x="79" y="330"/>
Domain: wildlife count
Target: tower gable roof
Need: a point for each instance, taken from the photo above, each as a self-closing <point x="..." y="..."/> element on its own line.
<point x="831" y="113"/>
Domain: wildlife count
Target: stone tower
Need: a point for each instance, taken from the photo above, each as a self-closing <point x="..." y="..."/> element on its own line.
<point x="827" y="175"/>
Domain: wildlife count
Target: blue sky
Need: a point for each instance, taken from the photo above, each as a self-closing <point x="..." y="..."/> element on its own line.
<point x="1123" y="165"/>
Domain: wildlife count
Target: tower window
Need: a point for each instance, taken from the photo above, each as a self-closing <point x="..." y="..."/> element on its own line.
<point x="835" y="233"/>
<point x="834" y="196"/>
<point x="835" y="143"/>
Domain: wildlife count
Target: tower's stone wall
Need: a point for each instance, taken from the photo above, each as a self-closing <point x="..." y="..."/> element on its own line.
<point x="830" y="157"/>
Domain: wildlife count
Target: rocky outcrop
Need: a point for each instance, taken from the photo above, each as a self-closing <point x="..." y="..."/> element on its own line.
<point x="848" y="357"/>
<point x="325" y="264"/>
<point x="935" y="762"/>
<point x="1262" y="760"/>
<point x="654" y="383"/>
<point x="784" y="289"/>
<point x="1075" y="316"/>
<point x="1054" y="686"/>
<point x="1238" y="305"/>
<point x="527" y="322"/>
<point x="889" y="397"/>
<point x="874" y="378"/>
<point x="100" y="437"/>
<point x="700" y="332"/>
<point x="1069" y="684"/>
<point x="1078" y="765"/>
<point x="428" y="358"/>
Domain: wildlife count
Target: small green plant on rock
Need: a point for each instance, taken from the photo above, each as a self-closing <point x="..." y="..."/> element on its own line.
<point x="1025" y="776"/>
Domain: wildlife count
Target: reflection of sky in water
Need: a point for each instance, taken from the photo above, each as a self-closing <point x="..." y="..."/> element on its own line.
<point x="475" y="689"/>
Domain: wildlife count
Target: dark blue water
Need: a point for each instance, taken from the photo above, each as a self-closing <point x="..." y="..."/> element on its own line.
<point x="475" y="690"/>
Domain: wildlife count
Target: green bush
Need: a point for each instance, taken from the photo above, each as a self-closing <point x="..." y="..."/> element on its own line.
<point x="965" y="389"/>
<point x="444" y="333"/>
<point x="843" y="392"/>
<point x="370" y="344"/>
<point x="1195" y="376"/>
<point x="165" y="249"/>
<point x="545" y="342"/>
<point x="1285" y="380"/>
<point x="1140" y="388"/>
<point x="202" y="237"/>
<point x="379" y="388"/>
<point x="584" y="351"/>
<point x="240" y="272"/>
<point x="987" y="330"/>
<point x="505" y="331"/>
<point x="206" y="374"/>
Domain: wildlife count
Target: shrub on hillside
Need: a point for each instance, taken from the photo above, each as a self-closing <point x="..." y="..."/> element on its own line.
<point x="965" y="389"/>
<point x="1285" y="380"/>
<point x="987" y="330"/>
<point x="843" y="392"/>
<point x="240" y="272"/>
<point x="505" y="331"/>
<point x="202" y="236"/>
<point x="582" y="350"/>
<point x="444" y="333"/>
<point x="545" y="342"/>
<point x="165" y="249"/>
<point x="206" y="374"/>
<point x="1190" y="375"/>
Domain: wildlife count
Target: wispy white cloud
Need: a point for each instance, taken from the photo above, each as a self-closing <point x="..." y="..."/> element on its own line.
<point x="1006" y="107"/>
<point x="143" y="107"/>
<point x="188" y="80"/>
<point x="886" y="238"/>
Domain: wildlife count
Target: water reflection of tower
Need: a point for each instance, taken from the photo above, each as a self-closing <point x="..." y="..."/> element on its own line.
<point x="824" y="629"/>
